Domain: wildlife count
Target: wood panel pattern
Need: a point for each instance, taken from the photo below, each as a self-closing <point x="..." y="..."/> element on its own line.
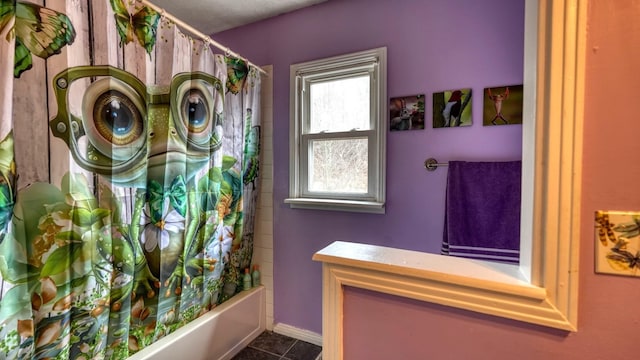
<point x="79" y="53"/>
<point x="31" y="126"/>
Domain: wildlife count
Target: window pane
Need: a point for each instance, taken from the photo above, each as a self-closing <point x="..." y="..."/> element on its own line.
<point x="339" y="166"/>
<point x="339" y="105"/>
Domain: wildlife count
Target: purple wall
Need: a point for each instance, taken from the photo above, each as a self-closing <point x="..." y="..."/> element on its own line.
<point x="432" y="46"/>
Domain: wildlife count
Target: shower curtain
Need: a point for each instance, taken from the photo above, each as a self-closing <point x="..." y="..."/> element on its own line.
<point x="129" y="158"/>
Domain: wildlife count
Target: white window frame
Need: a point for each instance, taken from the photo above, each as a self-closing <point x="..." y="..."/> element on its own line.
<point x="369" y="62"/>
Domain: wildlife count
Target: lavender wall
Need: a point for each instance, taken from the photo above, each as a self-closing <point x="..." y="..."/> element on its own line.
<point x="432" y="46"/>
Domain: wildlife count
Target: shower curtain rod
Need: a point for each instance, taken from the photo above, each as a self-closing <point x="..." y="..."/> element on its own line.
<point x="205" y="38"/>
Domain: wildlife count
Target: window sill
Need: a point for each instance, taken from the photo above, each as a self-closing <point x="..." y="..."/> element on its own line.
<point x="336" y="205"/>
<point x="480" y="286"/>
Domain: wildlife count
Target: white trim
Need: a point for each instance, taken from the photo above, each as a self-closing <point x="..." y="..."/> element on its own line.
<point x="297" y="333"/>
<point x="528" y="135"/>
<point x="542" y="291"/>
<point x="331" y="204"/>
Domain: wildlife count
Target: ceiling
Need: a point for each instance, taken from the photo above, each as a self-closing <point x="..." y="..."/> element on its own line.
<point x="212" y="16"/>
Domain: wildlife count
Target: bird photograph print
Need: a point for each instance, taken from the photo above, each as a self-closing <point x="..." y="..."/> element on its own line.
<point x="452" y="108"/>
<point x="406" y="113"/>
<point x="502" y="105"/>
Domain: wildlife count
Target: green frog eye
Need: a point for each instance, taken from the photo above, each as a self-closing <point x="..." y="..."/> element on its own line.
<point x="116" y="118"/>
<point x="113" y="116"/>
<point x="195" y="111"/>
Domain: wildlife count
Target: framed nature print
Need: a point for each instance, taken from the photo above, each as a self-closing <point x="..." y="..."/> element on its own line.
<point x="406" y="113"/>
<point x="617" y="242"/>
<point x="502" y="105"/>
<point x="452" y="108"/>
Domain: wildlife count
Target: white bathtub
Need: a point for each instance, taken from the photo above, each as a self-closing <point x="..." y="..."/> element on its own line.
<point x="219" y="334"/>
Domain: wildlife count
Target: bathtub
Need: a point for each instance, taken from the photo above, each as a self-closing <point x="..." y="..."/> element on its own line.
<point x="219" y="334"/>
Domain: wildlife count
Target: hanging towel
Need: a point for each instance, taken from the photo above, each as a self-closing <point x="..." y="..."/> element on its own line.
<point x="482" y="211"/>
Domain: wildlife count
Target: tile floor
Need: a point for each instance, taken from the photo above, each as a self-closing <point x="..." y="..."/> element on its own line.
<point x="272" y="346"/>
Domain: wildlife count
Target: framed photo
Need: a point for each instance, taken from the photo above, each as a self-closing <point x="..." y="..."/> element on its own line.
<point x="452" y="108"/>
<point x="502" y="105"/>
<point x="617" y="243"/>
<point x="406" y="113"/>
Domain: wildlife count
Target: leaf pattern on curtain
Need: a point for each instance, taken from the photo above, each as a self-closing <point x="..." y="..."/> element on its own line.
<point x="152" y="222"/>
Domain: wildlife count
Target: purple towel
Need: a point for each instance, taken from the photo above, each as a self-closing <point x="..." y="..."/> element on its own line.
<point x="482" y="211"/>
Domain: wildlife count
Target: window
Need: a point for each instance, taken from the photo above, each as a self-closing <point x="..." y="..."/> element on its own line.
<point x="338" y="133"/>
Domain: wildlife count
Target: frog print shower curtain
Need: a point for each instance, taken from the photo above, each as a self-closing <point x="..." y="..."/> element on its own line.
<point x="129" y="158"/>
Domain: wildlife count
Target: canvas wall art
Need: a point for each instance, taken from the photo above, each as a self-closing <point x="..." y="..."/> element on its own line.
<point x="502" y="105"/>
<point x="406" y="113"/>
<point x="617" y="242"/>
<point x="452" y="108"/>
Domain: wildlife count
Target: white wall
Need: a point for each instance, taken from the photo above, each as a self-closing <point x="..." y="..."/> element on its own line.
<point x="263" y="233"/>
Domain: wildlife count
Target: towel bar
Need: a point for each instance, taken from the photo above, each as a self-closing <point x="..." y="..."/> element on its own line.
<point x="431" y="164"/>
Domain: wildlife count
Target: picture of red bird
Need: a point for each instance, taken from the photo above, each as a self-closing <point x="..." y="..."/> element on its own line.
<point x="450" y="108"/>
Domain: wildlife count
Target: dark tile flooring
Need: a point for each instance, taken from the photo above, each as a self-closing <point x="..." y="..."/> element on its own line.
<point x="272" y="346"/>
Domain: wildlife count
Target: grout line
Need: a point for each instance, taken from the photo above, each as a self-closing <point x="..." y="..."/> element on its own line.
<point x="283" y="356"/>
<point x="266" y="351"/>
<point x="290" y="347"/>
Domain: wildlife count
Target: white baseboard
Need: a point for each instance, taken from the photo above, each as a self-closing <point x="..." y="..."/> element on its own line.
<point x="297" y="333"/>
